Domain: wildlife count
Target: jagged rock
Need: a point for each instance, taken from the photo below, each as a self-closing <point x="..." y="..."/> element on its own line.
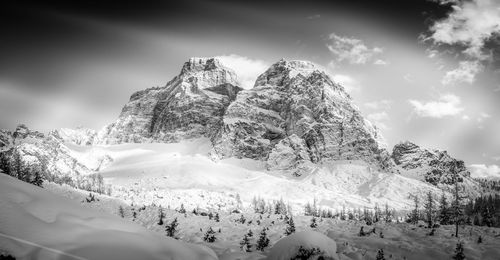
<point x="295" y="98"/>
<point x="434" y="166"/>
<point x="190" y="105"/>
<point x="45" y="153"/>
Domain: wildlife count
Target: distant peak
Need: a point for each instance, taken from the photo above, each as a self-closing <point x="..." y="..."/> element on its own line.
<point x="288" y="69"/>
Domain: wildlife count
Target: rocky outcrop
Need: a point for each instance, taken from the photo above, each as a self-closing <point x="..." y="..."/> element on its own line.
<point x="46" y="153"/>
<point x="190" y="105"/>
<point x="433" y="166"/>
<point x="295" y="116"/>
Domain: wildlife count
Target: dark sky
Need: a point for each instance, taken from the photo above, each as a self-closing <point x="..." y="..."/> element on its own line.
<point x="70" y="63"/>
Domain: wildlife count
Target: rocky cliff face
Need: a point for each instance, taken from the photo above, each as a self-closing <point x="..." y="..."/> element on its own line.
<point x="433" y="166"/>
<point x="293" y="118"/>
<point x="190" y="105"/>
<point x="37" y="150"/>
<point x="296" y="116"/>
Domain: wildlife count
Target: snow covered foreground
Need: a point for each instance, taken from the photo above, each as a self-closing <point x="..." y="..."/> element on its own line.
<point x="171" y="174"/>
<point x="36" y="224"/>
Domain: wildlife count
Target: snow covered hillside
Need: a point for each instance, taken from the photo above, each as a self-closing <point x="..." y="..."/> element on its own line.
<point x="36" y="224"/>
<point x="185" y="173"/>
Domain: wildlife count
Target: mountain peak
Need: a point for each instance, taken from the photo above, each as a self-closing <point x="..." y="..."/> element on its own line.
<point x="198" y="64"/>
<point x="284" y="70"/>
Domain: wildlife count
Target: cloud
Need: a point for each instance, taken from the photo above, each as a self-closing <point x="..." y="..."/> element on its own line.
<point x="466" y="72"/>
<point x="381" y="104"/>
<point x="446" y="105"/>
<point x="380" y="119"/>
<point x="484" y="171"/>
<point x="351" y="50"/>
<point x="349" y="83"/>
<point x="246" y="68"/>
<point x="381" y="62"/>
<point x="314" y="17"/>
<point x="469" y="26"/>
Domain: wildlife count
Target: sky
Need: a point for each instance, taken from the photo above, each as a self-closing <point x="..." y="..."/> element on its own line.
<point x="422" y="71"/>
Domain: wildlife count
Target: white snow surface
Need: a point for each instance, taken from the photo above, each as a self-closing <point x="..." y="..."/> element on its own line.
<point x="36" y="224"/>
<point x="288" y="247"/>
<point x="186" y="173"/>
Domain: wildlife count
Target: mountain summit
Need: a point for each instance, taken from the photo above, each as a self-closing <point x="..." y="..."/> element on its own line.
<point x="294" y="117"/>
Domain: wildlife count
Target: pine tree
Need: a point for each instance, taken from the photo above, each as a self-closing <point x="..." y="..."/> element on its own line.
<point x="414" y="216"/>
<point x="263" y="241"/>
<point x="245" y="244"/>
<point x="182" y="209"/>
<point x="313" y="223"/>
<point x="480" y="239"/>
<point x="457" y="206"/>
<point x="290" y="228"/>
<point x="429" y="209"/>
<point x="210" y="236"/>
<point x="121" y="211"/>
<point x="459" y="252"/>
<point x="250" y="233"/>
<point x="387" y="213"/>
<point x="161" y="215"/>
<point x="242" y="219"/>
<point x="38" y="179"/>
<point x="380" y="254"/>
<point x="172" y="228"/>
<point x="444" y="213"/>
<point x="217" y="218"/>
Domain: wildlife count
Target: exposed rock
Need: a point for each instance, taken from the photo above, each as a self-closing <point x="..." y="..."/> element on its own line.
<point x="190" y="105"/>
<point x="297" y="110"/>
<point x="435" y="167"/>
<point x="46" y="153"/>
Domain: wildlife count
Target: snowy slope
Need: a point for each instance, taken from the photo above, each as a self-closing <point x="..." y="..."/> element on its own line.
<point x="184" y="173"/>
<point x="36" y="224"/>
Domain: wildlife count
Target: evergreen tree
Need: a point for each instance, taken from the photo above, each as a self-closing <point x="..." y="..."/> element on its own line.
<point x="444" y="213"/>
<point x="263" y="241"/>
<point x="313" y="223"/>
<point x="380" y="254"/>
<point x="429" y="209"/>
<point x="457" y="206"/>
<point x="480" y="239"/>
<point x="172" y="228"/>
<point x="242" y="219"/>
<point x="245" y="244"/>
<point x="161" y="215"/>
<point x="217" y="218"/>
<point x="459" y="252"/>
<point x="37" y="179"/>
<point x="250" y="233"/>
<point x="121" y="211"/>
<point x="182" y="209"/>
<point x="414" y="216"/>
<point x="290" y="228"/>
<point x="387" y="213"/>
<point x="210" y="236"/>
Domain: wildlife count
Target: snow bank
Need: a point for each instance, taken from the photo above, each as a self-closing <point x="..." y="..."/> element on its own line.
<point x="288" y="247"/>
<point x="35" y="224"/>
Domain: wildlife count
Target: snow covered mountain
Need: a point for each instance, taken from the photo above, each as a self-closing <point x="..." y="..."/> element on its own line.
<point x="201" y="140"/>
<point x="294" y="117"/>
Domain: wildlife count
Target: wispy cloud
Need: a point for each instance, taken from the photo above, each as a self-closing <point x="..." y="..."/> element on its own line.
<point x="349" y="83"/>
<point x="381" y="62"/>
<point x="466" y="72"/>
<point x="380" y="119"/>
<point x="314" y="17"/>
<point x="484" y="171"/>
<point x="351" y="50"/>
<point x="446" y="105"/>
<point x="380" y="104"/>
<point x="246" y="68"/>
